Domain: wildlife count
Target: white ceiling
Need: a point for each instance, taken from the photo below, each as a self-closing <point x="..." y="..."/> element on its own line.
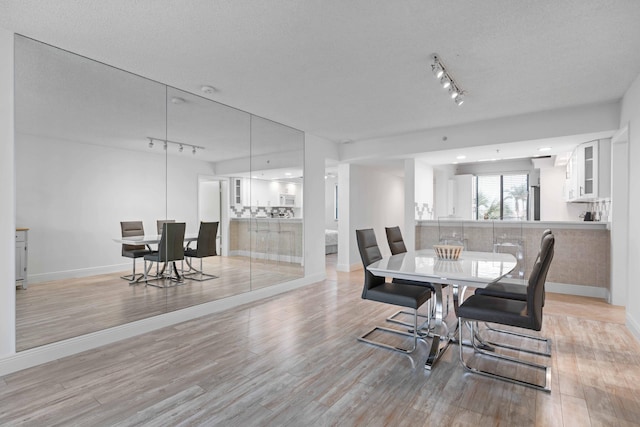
<point x="353" y="70"/>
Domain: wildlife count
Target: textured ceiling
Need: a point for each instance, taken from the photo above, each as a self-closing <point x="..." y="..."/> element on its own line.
<point x="352" y="70"/>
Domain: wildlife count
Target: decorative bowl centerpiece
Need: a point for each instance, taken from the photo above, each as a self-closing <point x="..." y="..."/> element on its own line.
<point x="450" y="252"/>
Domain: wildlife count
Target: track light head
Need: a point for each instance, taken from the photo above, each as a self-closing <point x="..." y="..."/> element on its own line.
<point x="446" y="80"/>
<point x="437" y="68"/>
<point x="180" y="148"/>
<point x="150" y="144"/>
<point x="194" y="150"/>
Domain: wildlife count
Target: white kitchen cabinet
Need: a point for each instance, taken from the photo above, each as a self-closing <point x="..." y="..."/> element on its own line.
<point x="21" y="257"/>
<point x="589" y="172"/>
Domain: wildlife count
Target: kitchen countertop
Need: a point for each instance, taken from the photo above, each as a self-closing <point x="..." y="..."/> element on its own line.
<point x="583" y="225"/>
<point x="295" y="219"/>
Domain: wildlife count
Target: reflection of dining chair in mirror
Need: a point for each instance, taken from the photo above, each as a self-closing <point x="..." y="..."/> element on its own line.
<point x="161" y="222"/>
<point x="170" y="249"/>
<point x="262" y="237"/>
<point x="206" y="248"/>
<point x="451" y="231"/>
<point x="130" y="229"/>
<point x="508" y="238"/>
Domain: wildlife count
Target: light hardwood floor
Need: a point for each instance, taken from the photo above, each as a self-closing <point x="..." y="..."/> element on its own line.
<point x="294" y="360"/>
<point x="61" y="309"/>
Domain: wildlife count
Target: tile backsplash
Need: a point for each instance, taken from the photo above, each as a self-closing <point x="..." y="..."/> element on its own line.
<point x="262" y="212"/>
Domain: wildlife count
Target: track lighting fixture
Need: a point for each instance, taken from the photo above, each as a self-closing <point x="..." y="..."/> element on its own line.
<point x="181" y="145"/>
<point x="447" y="81"/>
<point x="437" y="69"/>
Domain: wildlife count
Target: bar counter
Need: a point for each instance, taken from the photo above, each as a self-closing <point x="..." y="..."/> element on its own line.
<point x="582" y="258"/>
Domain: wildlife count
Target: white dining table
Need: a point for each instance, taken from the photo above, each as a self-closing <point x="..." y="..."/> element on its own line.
<point x="476" y="269"/>
<point x="150" y="239"/>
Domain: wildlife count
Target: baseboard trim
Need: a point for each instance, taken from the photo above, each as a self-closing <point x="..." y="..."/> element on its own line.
<point x="347" y="268"/>
<point x="81" y="272"/>
<point x="50" y="352"/>
<point x="267" y="256"/>
<point x="580" y="290"/>
<point x="633" y="325"/>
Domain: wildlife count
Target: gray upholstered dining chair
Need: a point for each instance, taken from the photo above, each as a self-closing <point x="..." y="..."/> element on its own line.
<point x="376" y="288"/>
<point x="129" y="229"/>
<point x="521" y="314"/>
<point x="513" y="290"/>
<point x="397" y="246"/>
<point x="170" y="249"/>
<point x="206" y="247"/>
<point x="161" y="222"/>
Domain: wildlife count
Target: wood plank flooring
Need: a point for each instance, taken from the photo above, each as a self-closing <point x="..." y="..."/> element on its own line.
<point x="61" y="309"/>
<point x="293" y="360"/>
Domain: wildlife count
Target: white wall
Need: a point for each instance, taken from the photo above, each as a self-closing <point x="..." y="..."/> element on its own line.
<point x="586" y="119"/>
<point x="552" y="204"/>
<point x="209" y="207"/>
<point x="316" y="150"/>
<point x="423" y="185"/>
<point x="330" y="222"/>
<point x="619" y="217"/>
<point x="267" y="192"/>
<point x="443" y="203"/>
<point x="7" y="195"/>
<point x="376" y="200"/>
<point x="72" y="197"/>
<point x="631" y="115"/>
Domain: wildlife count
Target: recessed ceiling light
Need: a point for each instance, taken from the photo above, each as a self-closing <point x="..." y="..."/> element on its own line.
<point x="287" y="173"/>
<point x="177" y="100"/>
<point x="462" y="157"/>
<point x="544" y="149"/>
<point x="208" y="89"/>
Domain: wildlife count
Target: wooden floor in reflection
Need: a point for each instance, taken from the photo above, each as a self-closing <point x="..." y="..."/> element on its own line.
<point x="56" y="310"/>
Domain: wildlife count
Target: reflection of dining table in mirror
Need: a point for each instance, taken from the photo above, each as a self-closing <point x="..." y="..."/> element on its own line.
<point x="151" y="239"/>
<point x="106" y="155"/>
<point x="475" y="269"/>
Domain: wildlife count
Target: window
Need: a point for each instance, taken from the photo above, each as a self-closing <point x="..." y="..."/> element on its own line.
<point x="501" y="197"/>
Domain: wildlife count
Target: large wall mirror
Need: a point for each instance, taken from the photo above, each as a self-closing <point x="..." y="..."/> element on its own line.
<point x="97" y="146"/>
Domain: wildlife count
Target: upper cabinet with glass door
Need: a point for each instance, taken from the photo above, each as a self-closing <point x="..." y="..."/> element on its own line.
<point x="589" y="172"/>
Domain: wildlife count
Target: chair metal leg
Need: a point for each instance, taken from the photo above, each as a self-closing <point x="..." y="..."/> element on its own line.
<point x="415" y="336"/>
<point x="545" y="387"/>
<point x="548" y="341"/>
<point x="132" y="278"/>
<point x="197" y="275"/>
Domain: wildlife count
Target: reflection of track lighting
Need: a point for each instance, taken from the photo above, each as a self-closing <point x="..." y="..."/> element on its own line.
<point x="181" y="145"/>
